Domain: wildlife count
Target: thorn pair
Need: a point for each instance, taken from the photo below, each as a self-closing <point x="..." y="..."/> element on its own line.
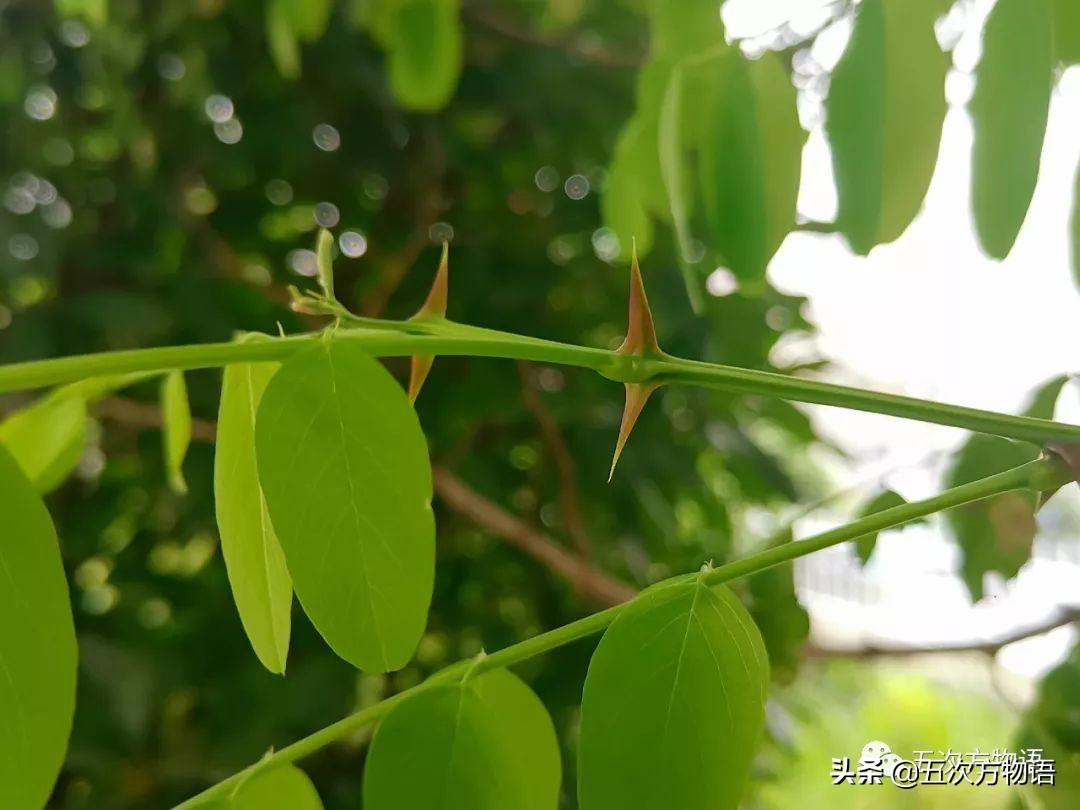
<point x="640" y="341"/>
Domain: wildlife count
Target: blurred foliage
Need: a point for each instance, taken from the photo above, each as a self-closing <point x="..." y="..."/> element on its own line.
<point x="165" y="167"/>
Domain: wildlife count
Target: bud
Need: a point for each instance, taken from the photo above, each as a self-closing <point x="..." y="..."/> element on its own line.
<point x="324" y="256"/>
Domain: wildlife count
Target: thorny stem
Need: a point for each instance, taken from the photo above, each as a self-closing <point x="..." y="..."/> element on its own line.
<point x="1039" y="475"/>
<point x="443" y="337"/>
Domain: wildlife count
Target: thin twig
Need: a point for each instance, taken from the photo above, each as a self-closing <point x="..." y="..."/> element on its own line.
<point x="589" y="581"/>
<point x="565" y="469"/>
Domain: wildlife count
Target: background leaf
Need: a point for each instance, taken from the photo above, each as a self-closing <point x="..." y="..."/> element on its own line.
<point x="47" y="439"/>
<point x="176" y="427"/>
<point x="884" y="114"/>
<point x="37" y="645"/>
<point x="623" y="202"/>
<point x="751" y="157"/>
<point x="1008" y="111"/>
<point x="783" y="621"/>
<point x="259" y="578"/>
<point x="996" y="534"/>
<point x="344" y="468"/>
<point x="887" y="499"/>
<point x="485" y="744"/>
<point x="423" y="42"/>
<point x="674" y="703"/>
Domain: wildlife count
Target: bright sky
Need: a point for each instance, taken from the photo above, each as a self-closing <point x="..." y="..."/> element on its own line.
<point x="930" y="316"/>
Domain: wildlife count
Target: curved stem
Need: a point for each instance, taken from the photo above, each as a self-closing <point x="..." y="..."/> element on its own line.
<point x="441" y="337"/>
<point x="1038" y="475"/>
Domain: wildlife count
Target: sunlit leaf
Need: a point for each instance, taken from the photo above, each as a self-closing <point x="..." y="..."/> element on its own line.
<point x="95" y="12"/>
<point x="885" y="110"/>
<point x="996" y="534"/>
<point x="259" y="578"/>
<point x="486" y="744"/>
<point x="37" y="645"/>
<point x="751" y="157"/>
<point x="47" y="439"/>
<point x="1008" y="111"/>
<point x="176" y="427"/>
<point x="308" y="18"/>
<point x="1067" y="31"/>
<point x="674" y="703"/>
<point x="344" y="468"/>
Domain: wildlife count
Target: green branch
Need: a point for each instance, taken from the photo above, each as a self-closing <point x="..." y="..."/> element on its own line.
<point x="1040" y="475"/>
<point x="442" y="337"/>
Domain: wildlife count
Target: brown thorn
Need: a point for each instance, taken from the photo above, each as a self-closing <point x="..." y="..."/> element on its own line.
<point x="435" y="303"/>
<point x="640" y="330"/>
<point x="434" y="307"/>
<point x="637" y="394"/>
<point x="419" y="367"/>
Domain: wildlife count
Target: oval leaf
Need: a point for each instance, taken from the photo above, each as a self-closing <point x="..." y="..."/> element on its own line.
<point x="283" y="788"/>
<point x="484" y="744"/>
<point x="47" y="439"/>
<point x="176" y="427"/>
<point x="37" y="645"/>
<point x="751" y="156"/>
<point x="344" y="468"/>
<point x="258" y="575"/>
<point x="1008" y="111"/>
<point x="884" y="113"/>
<point x="674" y="703"/>
<point x="423" y="39"/>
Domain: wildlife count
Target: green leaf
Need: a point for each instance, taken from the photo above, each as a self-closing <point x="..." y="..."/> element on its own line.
<point x="751" y="159"/>
<point x="307" y="18"/>
<point x="781" y="618"/>
<point x="258" y="575"/>
<point x="344" y="467"/>
<point x="623" y="204"/>
<point x="424" y="43"/>
<point x="674" y="703"/>
<point x="884" y="114"/>
<point x="484" y="744"/>
<point x="37" y="645"/>
<point x="1067" y="31"/>
<point x="1008" y="111"/>
<point x="94" y="12"/>
<point x="886" y="499"/>
<point x="47" y="439"/>
<point x="283" y="788"/>
<point x="686" y="27"/>
<point x="282" y="40"/>
<point x="324" y="255"/>
<point x="996" y="534"/>
<point x="176" y="427"/>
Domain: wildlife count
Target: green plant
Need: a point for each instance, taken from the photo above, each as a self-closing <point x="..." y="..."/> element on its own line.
<point x="323" y="478"/>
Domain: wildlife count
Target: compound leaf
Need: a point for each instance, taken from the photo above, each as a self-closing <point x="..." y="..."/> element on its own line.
<point x="885" y="110"/>
<point x="484" y="744"/>
<point x="674" y="703"/>
<point x="1008" y="111"/>
<point x="344" y="468"/>
<point x="37" y="645"/>
<point x="254" y="560"/>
